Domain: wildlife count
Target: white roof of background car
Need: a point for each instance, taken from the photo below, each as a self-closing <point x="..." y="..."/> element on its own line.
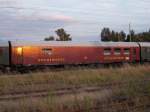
<point x="73" y="43"/>
<point x="145" y="44"/>
<point x="4" y="44"/>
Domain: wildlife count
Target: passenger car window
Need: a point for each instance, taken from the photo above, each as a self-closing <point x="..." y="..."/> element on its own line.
<point x="107" y="51"/>
<point x="47" y="51"/>
<point x="117" y="51"/>
<point x="148" y="50"/>
<point x="126" y="51"/>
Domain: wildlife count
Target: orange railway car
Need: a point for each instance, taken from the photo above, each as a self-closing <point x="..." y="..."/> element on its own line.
<point x="64" y="53"/>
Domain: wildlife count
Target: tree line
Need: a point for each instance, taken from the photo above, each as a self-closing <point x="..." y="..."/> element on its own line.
<point x="106" y="35"/>
<point x="111" y="35"/>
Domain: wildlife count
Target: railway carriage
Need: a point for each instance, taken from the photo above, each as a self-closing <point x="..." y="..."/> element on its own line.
<point x="25" y="53"/>
<point x="62" y="53"/>
<point x="4" y="53"/>
<point x="145" y="51"/>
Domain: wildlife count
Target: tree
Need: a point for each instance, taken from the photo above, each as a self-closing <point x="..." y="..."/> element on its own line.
<point x="132" y="33"/>
<point x="108" y="35"/>
<point x="122" y="36"/>
<point x="131" y="37"/>
<point x="113" y="35"/>
<point x="105" y="34"/>
<point x="63" y="36"/>
<point x="128" y="38"/>
<point x="50" y="38"/>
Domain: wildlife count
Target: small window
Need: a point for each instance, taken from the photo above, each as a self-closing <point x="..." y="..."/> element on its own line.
<point x="117" y="51"/>
<point x="19" y="51"/>
<point x="107" y="51"/>
<point x="47" y="51"/>
<point x="148" y="50"/>
<point x="127" y="51"/>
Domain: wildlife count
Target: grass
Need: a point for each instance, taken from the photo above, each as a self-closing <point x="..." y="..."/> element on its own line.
<point x="81" y="76"/>
<point x="134" y="89"/>
<point x="75" y="77"/>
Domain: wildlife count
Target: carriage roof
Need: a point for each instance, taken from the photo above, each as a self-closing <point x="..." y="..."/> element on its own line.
<point x="72" y="43"/>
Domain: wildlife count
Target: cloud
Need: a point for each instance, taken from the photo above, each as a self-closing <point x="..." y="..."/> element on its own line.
<point x="81" y="18"/>
<point x="18" y="22"/>
<point x="7" y="2"/>
<point x="4" y="3"/>
<point x="44" y="16"/>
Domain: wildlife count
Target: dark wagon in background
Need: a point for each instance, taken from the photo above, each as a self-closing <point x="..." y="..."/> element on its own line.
<point x="145" y="51"/>
<point x="4" y="54"/>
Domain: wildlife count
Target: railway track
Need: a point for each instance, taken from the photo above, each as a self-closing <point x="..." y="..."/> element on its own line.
<point x="48" y="86"/>
<point x="114" y="106"/>
<point x="45" y="93"/>
<point x="117" y="107"/>
<point x="64" y="91"/>
<point x="117" y="103"/>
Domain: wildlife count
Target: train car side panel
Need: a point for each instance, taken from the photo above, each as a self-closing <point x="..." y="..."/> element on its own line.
<point x="52" y="55"/>
<point x="61" y="53"/>
<point x="120" y="54"/>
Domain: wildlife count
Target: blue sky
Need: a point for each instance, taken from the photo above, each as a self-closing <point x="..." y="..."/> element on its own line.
<point x="83" y="19"/>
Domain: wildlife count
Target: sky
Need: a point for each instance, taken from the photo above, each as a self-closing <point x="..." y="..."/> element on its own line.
<point x="83" y="19"/>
